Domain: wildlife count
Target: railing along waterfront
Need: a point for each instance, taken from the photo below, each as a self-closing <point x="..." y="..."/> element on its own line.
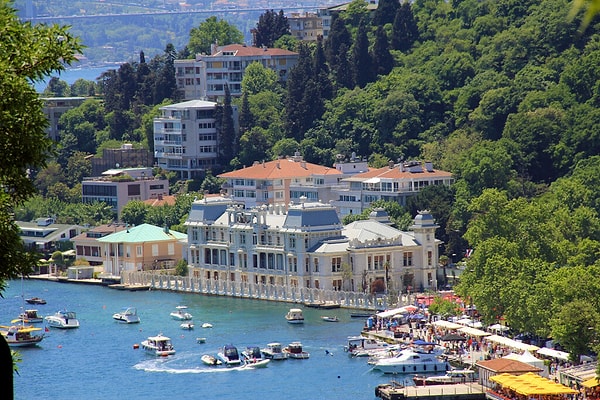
<point x="264" y="291"/>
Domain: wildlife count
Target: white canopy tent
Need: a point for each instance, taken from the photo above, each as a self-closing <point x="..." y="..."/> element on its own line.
<point x="473" y="331"/>
<point x="446" y="324"/>
<point x="498" y="328"/>
<point x="469" y="322"/>
<point x="561" y="355"/>
<point x="391" y="313"/>
<point x="530" y="359"/>
<point x="513" y="344"/>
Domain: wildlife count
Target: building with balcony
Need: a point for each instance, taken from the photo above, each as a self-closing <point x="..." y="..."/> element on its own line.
<point x="142" y="248"/>
<point x="54" y="108"/>
<point x="205" y="76"/>
<point x="125" y="156"/>
<point x="117" y="187"/>
<point x="396" y="182"/>
<point x="46" y="236"/>
<point x="305" y="26"/>
<point x="281" y="181"/>
<point x="307" y="246"/>
<point x="186" y="138"/>
<point x="87" y="246"/>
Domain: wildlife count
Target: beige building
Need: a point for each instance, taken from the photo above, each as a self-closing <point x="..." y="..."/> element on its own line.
<point x="54" y="108"/>
<point x="88" y="248"/>
<point x="305" y="26"/>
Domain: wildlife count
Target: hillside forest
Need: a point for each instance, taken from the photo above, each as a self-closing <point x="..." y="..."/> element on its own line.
<point x="504" y="94"/>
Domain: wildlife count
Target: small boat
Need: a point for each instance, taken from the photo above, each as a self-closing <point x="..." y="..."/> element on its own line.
<point x="274" y="351"/>
<point x="127" y="315"/>
<point x="30" y="317"/>
<point x="210" y="360"/>
<point x="206" y="325"/>
<point x="158" y="345"/>
<point x="200" y="340"/>
<point x="295" y="316"/>
<point x="254" y="358"/>
<point x="409" y="361"/>
<point x="187" y="325"/>
<point x="63" y="320"/>
<point x="294" y="350"/>
<point x="21" y="336"/>
<point x="180" y="314"/>
<point x="329" y="319"/>
<point x="451" y="377"/>
<point x="257" y="363"/>
<point x="35" y="300"/>
<point x="229" y="355"/>
<point x="361" y="346"/>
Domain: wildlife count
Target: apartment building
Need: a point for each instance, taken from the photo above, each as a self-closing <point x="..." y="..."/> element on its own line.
<point x="88" y="248"/>
<point x="307" y="246"/>
<point x="205" y="76"/>
<point x="54" y="108"/>
<point x="305" y="26"/>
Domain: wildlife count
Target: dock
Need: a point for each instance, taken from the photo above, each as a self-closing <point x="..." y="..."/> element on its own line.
<point x="459" y="391"/>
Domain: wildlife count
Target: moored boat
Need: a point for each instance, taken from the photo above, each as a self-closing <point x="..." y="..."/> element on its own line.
<point x="229" y="355"/>
<point x="63" y="319"/>
<point x="253" y="357"/>
<point x="180" y="314"/>
<point x="295" y="316"/>
<point x="274" y="351"/>
<point x="210" y="360"/>
<point x="21" y="336"/>
<point x="409" y="361"/>
<point x="127" y="315"/>
<point x="187" y="326"/>
<point x="158" y="345"/>
<point x="294" y="350"/>
<point x="451" y="377"/>
<point x="30" y="317"/>
<point x="329" y="319"/>
<point x="361" y="346"/>
<point x="35" y="300"/>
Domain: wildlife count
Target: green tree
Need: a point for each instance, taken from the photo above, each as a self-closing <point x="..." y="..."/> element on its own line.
<point x="210" y="32"/>
<point x="57" y="88"/>
<point x="227" y="135"/>
<point x="383" y="62"/>
<point x="257" y="78"/>
<point x="181" y="268"/>
<point x="362" y="65"/>
<point x="385" y="12"/>
<point x="404" y="29"/>
<point x="270" y="27"/>
<point x="135" y="212"/>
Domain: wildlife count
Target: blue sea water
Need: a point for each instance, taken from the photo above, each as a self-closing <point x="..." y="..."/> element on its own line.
<point x="70" y="75"/>
<point x="98" y="360"/>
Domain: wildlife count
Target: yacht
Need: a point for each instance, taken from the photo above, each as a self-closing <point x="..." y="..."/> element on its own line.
<point x="180" y="314"/>
<point x="274" y="351"/>
<point x="295" y="316"/>
<point x="158" y="345"/>
<point x="229" y="355"/>
<point x="127" y="315"/>
<point x="409" y="361"/>
<point x="63" y="319"/>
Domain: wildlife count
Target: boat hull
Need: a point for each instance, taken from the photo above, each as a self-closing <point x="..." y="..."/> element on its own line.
<point x="61" y="323"/>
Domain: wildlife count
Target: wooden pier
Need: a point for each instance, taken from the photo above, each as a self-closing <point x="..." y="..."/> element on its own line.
<point x="459" y="391"/>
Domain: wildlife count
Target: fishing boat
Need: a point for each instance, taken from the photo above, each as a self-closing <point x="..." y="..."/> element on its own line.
<point x="229" y="355"/>
<point x="30" y="317"/>
<point x="21" y="336"/>
<point x="294" y="316"/>
<point x="329" y="319"/>
<point x="274" y="351"/>
<point x="180" y="314"/>
<point x="294" y="350"/>
<point x="63" y="319"/>
<point x="158" y="345"/>
<point x="127" y="315"/>
<point x="35" y="300"/>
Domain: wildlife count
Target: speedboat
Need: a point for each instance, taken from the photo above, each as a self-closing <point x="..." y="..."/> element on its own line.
<point x="329" y="319"/>
<point x="295" y="316"/>
<point x="210" y="360"/>
<point x="254" y="358"/>
<point x="361" y="346"/>
<point x="180" y="314"/>
<point x="294" y="350"/>
<point x="207" y="325"/>
<point x="409" y="361"/>
<point x="274" y="351"/>
<point x="35" y="300"/>
<point x="158" y="345"/>
<point x="187" y="326"/>
<point x="229" y="355"/>
<point x="30" y="317"/>
<point x="21" y="336"/>
<point x="63" y="320"/>
<point x="127" y="315"/>
<point x="452" y="376"/>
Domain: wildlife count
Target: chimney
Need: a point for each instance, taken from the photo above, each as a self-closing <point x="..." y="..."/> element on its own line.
<point x="391" y="164"/>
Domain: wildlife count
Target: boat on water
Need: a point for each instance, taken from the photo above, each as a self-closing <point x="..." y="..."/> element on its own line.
<point x="127" y="315"/>
<point x="451" y="377"/>
<point x="210" y="360"/>
<point x="295" y="316"/>
<point x="30" y="317"/>
<point x="253" y="357"/>
<point x="21" y="336"/>
<point x="207" y="325"/>
<point x="327" y="318"/>
<point x="35" y="300"/>
<point x="294" y="350"/>
<point x="361" y="315"/>
<point x="409" y="361"/>
<point x="274" y="351"/>
<point x="187" y="326"/>
<point x="180" y="314"/>
<point x="361" y="346"/>
<point x="158" y="345"/>
<point x="229" y="355"/>
<point x="63" y="319"/>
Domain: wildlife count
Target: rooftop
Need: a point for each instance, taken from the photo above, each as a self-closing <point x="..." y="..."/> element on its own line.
<point x="143" y="233"/>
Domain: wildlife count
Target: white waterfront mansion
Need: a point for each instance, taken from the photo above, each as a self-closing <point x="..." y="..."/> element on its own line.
<point x="307" y="246"/>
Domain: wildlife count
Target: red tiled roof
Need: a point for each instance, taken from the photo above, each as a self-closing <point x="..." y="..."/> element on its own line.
<point x="501" y="365"/>
<point x="279" y="169"/>
<point x="241" y="51"/>
<point x="161" y="201"/>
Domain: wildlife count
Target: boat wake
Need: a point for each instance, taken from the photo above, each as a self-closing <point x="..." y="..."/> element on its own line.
<point x="183" y="364"/>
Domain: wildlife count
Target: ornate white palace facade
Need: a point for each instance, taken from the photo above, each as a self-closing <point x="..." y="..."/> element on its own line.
<point x="305" y="245"/>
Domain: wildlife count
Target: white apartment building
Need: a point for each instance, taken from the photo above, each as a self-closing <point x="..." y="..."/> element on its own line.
<point x="307" y="246"/>
<point x="186" y="138"/>
<point x="205" y="76"/>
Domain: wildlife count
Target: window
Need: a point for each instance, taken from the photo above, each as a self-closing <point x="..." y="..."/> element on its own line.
<point x="138" y="251"/>
<point x="378" y="262"/>
<point x="429" y="258"/>
<point x="171" y="249"/>
<point x="408" y="259"/>
<point x="292" y="243"/>
<point x="133" y="190"/>
<point x="154" y="250"/>
<point x="336" y="264"/>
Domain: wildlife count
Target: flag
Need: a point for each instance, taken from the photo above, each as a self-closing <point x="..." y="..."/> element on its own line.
<point x="468" y="253"/>
<point x="46" y="329"/>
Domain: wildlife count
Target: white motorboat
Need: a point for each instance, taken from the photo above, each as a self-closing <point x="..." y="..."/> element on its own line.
<point x="253" y="357"/>
<point x="63" y="320"/>
<point x="329" y="318"/>
<point x="206" y="325"/>
<point x="187" y="326"/>
<point x="361" y="346"/>
<point x="229" y="355"/>
<point x="451" y="377"/>
<point x="409" y="361"/>
<point x="127" y="315"/>
<point x="295" y="316"/>
<point x="180" y="314"/>
<point x="21" y="336"/>
<point x="274" y="351"/>
<point x="30" y="317"/>
<point x="294" y="350"/>
<point x="158" y="345"/>
<point x="210" y="360"/>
